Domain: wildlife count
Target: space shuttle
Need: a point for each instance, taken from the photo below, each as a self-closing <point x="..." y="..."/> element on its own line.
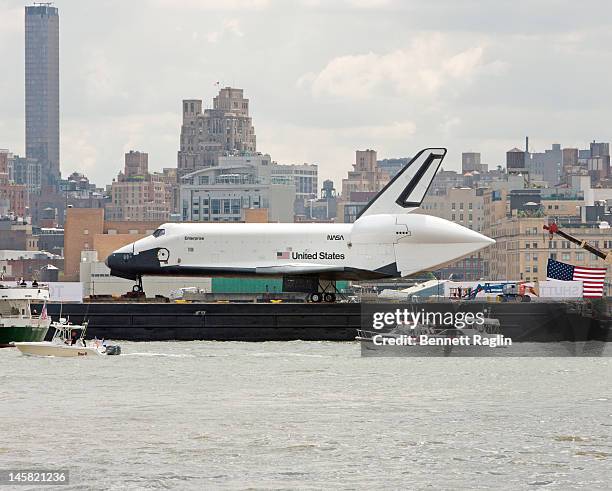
<point x="385" y="241"/>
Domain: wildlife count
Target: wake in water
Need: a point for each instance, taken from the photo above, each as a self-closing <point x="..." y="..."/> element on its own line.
<point x="168" y="355"/>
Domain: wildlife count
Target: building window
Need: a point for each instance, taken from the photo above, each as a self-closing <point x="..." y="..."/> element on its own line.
<point x="85" y="232"/>
<point x="565" y="256"/>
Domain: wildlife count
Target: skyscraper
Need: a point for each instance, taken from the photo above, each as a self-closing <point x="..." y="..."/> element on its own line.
<point x="470" y="162"/>
<point x="42" y="89"/>
<point x="225" y="129"/>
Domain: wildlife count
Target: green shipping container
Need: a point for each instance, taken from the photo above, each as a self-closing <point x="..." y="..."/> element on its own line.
<point x="255" y="285"/>
<point x="247" y="285"/>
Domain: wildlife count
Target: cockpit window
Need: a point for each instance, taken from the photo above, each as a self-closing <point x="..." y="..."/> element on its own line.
<point x="159" y="232"/>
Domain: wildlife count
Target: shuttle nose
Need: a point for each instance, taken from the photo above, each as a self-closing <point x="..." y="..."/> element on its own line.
<point x="115" y="261"/>
<point x="120" y="262"/>
<point x="440" y="231"/>
<point x="470" y="236"/>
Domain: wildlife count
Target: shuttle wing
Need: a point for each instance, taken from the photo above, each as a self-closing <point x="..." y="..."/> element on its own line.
<point x="298" y="269"/>
<point x="323" y="271"/>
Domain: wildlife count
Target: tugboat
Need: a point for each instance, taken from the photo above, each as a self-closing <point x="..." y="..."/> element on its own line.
<point x="17" y="322"/>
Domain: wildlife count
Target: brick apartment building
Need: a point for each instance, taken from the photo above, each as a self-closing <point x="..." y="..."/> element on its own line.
<point x="86" y="230"/>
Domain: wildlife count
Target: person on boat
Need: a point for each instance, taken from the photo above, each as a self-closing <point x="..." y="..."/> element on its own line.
<point x="74" y="336"/>
<point x="35" y="283"/>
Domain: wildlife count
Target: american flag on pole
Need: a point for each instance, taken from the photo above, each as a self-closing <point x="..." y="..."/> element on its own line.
<point x="592" y="278"/>
<point x="43" y="313"/>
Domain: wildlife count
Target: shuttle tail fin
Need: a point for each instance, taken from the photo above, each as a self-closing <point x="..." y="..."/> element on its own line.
<point x="406" y="190"/>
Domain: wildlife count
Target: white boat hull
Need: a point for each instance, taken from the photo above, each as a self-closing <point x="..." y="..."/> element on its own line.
<point x="46" y="348"/>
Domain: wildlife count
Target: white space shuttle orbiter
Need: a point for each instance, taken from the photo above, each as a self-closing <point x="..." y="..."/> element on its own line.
<point x="385" y="241"/>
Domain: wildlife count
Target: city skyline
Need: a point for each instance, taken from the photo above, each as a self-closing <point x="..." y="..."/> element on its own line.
<point x="445" y="81"/>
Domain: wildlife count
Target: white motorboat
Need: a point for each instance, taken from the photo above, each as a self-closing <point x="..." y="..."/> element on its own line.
<point x="68" y="341"/>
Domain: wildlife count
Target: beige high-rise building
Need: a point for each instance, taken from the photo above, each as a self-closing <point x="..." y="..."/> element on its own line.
<point x="136" y="164"/>
<point x="4" y="169"/>
<point x="366" y="175"/>
<point x="138" y="194"/>
<point x="169" y="177"/>
<point x="361" y="185"/>
<point x="464" y="206"/>
<point x="13" y="197"/>
<point x="206" y="135"/>
<point x="523" y="247"/>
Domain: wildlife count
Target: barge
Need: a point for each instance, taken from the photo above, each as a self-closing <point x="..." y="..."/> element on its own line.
<point x="164" y="321"/>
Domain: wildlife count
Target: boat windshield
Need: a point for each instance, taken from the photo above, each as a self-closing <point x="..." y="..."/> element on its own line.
<point x="159" y="232"/>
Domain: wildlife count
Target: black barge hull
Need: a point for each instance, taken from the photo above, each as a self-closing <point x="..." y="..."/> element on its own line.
<point x="146" y="321"/>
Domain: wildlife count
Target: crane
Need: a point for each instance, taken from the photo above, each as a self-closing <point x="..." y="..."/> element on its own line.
<point x="553" y="228"/>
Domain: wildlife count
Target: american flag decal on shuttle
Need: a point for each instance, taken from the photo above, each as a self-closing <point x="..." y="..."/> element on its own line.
<point x="284" y="254"/>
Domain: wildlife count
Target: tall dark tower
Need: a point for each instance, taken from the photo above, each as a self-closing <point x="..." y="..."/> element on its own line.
<point x="42" y="89"/>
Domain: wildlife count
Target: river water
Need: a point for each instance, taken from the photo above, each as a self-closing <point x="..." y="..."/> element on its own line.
<point x="207" y="415"/>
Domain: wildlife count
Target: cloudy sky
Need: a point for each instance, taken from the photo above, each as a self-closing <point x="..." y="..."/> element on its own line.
<point x="324" y="77"/>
